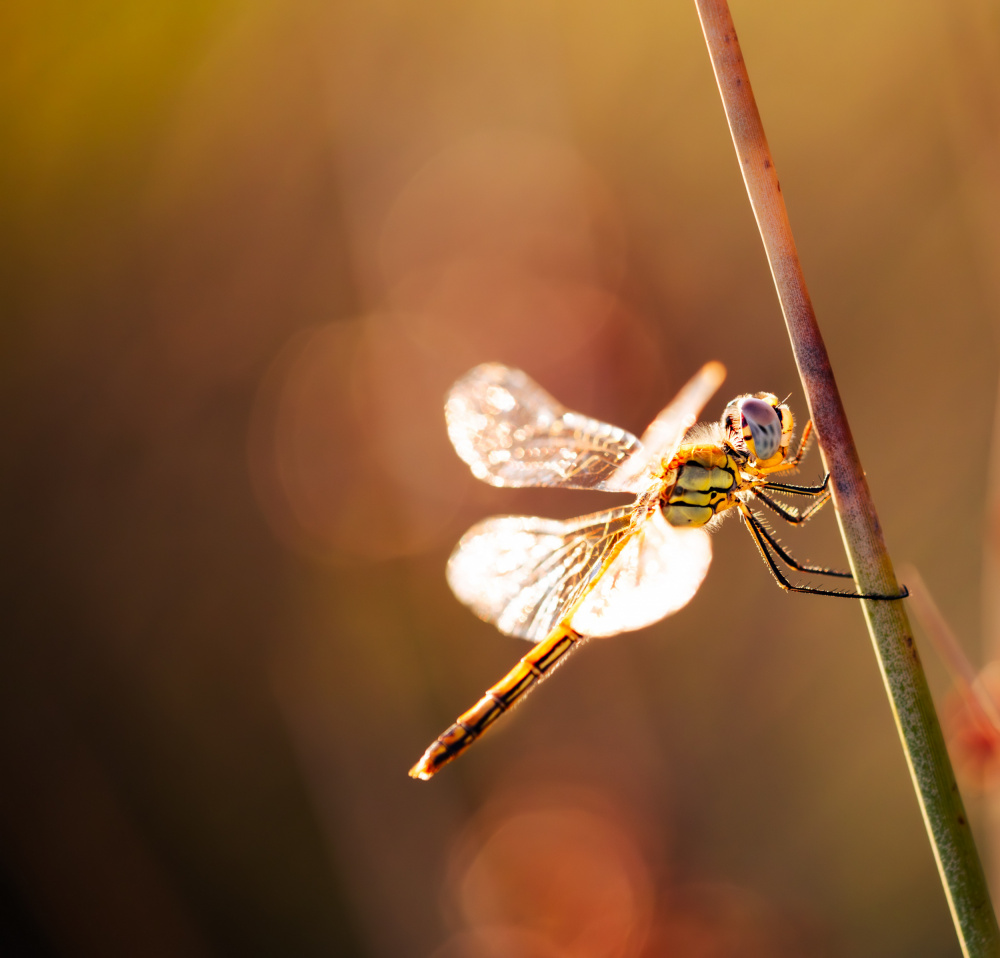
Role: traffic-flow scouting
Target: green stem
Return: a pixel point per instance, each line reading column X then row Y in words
column 919, row 730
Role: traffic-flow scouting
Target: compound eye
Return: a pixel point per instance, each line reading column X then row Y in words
column 765, row 427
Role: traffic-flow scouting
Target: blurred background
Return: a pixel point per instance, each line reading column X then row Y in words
column 246, row 248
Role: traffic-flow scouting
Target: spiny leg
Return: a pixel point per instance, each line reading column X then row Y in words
column 761, row 536
column 799, row 453
column 821, row 490
column 470, row 725
column 788, row 514
column 803, row 444
column 789, row 559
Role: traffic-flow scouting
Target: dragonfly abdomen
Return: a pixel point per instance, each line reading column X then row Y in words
column 706, row 484
column 470, row 725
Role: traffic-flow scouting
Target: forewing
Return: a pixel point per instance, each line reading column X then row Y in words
column 664, row 434
column 511, row 432
column 656, row 573
column 524, row 573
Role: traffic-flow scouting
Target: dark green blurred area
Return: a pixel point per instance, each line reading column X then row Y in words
column 246, row 247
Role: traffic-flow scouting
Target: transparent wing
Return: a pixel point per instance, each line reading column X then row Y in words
column 664, row 434
column 511, row 432
column 657, row 572
column 524, row 573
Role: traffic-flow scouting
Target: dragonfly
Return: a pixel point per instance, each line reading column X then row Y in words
column 558, row 583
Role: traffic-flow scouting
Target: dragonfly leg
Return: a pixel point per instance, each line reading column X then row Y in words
column 792, row 515
column 803, row 446
column 500, row 698
column 821, row 490
column 789, row 559
column 762, row 538
column 793, row 462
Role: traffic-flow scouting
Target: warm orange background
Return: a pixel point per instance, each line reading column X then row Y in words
column 246, row 247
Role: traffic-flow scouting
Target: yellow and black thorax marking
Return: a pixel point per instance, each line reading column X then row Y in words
column 707, row 481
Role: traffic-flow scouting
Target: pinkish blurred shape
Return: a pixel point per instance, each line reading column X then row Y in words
column 973, row 739
column 558, row 871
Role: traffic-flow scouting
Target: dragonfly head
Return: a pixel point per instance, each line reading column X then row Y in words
column 760, row 426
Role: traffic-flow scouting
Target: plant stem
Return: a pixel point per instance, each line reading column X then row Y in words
column 919, row 730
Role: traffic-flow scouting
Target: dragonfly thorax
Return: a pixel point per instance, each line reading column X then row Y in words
column 703, row 482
